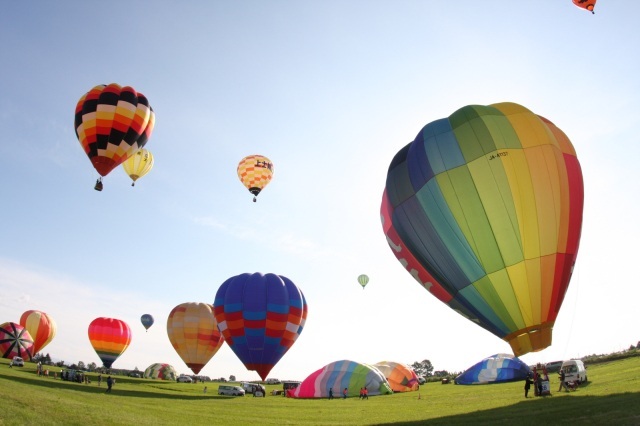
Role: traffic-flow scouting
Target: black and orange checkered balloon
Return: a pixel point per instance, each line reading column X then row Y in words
column 112, row 123
column 255, row 172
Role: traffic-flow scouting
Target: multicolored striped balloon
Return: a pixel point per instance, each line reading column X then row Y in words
column 363, row 280
column 41, row 327
column 161, row 372
column 484, row 209
column 112, row 123
column 109, row 337
column 340, row 375
column 400, row 376
column 260, row 317
column 15, row 340
column 193, row 332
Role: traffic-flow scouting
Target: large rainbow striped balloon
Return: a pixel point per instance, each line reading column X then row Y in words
column 109, row 337
column 484, row 209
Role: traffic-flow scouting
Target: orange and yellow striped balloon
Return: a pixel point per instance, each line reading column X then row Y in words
column 193, row 332
column 41, row 327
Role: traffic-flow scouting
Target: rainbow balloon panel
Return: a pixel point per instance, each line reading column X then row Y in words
column 484, row 209
column 110, row 338
column 260, row 317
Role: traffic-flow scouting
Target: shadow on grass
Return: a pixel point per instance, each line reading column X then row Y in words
column 52, row 383
column 618, row 409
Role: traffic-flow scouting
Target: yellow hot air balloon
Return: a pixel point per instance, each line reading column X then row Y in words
column 255, row 172
column 138, row 164
column 193, row 332
column 41, row 327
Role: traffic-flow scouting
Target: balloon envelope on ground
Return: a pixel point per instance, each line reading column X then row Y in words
column 495, row 369
column 15, row 340
column 109, row 337
column 400, row 376
column 260, row 317
column 161, row 371
column 339, row 375
column 484, row 209
column 41, row 327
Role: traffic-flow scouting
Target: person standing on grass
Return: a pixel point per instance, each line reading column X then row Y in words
column 527, row 385
column 330, row 393
column 99, row 379
column 344, row 393
column 365, row 393
column 563, row 384
column 109, row 384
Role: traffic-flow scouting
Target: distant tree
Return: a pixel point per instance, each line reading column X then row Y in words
column 422, row 368
column 47, row 359
column 92, row 366
column 232, row 378
column 81, row 365
column 441, row 373
column 60, row 364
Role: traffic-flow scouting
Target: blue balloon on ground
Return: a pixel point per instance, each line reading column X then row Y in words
column 497, row 368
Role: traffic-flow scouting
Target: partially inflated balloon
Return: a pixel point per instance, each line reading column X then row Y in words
column 147, row 321
column 484, row 209
column 110, row 338
column 363, row 280
column 15, row 340
column 41, row 327
column 138, row 165
column 193, row 332
column 112, row 123
column 260, row 317
column 255, row 172
column 586, row 4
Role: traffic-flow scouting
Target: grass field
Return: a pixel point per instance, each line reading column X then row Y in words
column 611, row 397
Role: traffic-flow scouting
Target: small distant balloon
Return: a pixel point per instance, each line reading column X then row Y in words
column 586, row 4
column 147, row 321
column 255, row 172
column 138, row 165
column 363, row 280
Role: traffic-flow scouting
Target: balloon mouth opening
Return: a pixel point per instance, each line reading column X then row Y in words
column 530, row 339
column 98, row 186
column 255, row 191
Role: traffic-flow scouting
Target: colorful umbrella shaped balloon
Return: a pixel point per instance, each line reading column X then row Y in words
column 255, row 172
column 484, row 209
column 112, row 123
column 363, row 280
column 138, row 165
column 15, row 340
column 109, row 337
column 193, row 332
column 147, row 321
column 41, row 327
column 260, row 317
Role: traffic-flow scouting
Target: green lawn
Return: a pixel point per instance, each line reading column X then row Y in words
column 612, row 396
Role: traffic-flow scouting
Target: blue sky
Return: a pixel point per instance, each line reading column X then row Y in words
column 329, row 91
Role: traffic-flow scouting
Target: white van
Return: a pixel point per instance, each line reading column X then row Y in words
column 230, row 390
column 574, row 371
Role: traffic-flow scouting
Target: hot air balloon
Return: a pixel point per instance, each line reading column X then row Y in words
column 401, row 377
column 41, row 327
column 110, row 338
column 586, row 4
column 161, row 371
column 339, row 375
column 112, row 123
column 15, row 340
column 484, row 209
column 138, row 165
column 193, row 332
column 147, row 321
column 260, row 317
column 498, row 368
column 255, row 172
column 363, row 280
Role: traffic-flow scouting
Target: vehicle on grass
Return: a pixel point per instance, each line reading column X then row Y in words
column 554, row 366
column 72, row 375
column 230, row 390
column 17, row 362
column 272, row 381
column 184, row 379
column 137, row 374
column 574, row 371
column 254, row 389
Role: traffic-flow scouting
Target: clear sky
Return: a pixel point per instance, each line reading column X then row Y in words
column 329, row 90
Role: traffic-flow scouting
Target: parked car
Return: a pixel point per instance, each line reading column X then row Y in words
column 255, row 389
column 574, row 371
column 137, row 374
column 230, row 390
column 273, row 381
column 554, row 366
column 184, row 379
column 17, row 362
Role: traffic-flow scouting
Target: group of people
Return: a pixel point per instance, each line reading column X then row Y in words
column 538, row 383
column 364, row 393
